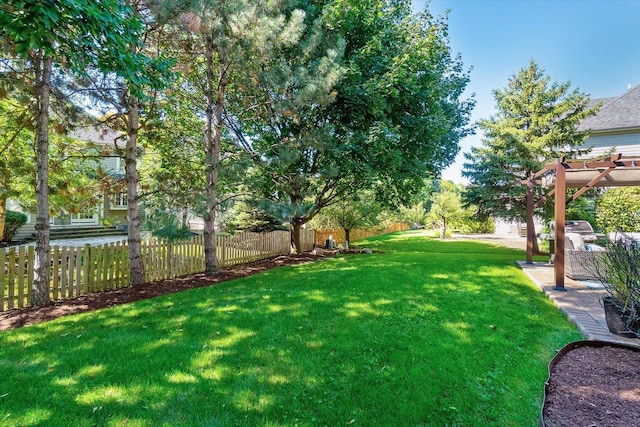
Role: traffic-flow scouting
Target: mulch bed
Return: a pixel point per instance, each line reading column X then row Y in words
column 594, row 387
column 13, row 319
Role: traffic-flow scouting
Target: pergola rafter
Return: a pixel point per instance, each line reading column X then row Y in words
column 612, row 171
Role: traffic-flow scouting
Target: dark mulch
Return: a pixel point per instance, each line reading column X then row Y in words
column 13, row 319
column 594, row 387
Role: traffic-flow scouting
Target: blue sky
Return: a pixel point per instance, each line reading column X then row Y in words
column 595, row 45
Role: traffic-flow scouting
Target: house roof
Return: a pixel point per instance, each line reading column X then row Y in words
column 618, row 113
column 99, row 135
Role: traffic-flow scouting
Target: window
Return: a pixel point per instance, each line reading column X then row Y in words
column 119, row 200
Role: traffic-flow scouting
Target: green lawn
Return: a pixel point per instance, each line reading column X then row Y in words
column 424, row 333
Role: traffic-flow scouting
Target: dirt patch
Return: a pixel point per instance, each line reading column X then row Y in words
column 13, row 319
column 594, row 387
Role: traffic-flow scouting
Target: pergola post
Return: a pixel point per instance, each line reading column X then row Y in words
column 611, row 171
column 530, row 226
column 560, row 214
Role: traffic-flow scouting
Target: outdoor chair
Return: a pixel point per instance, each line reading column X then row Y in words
column 580, row 258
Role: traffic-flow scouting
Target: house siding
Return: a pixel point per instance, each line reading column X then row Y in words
column 111, row 165
column 627, row 144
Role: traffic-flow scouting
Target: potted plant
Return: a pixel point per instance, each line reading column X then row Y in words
column 618, row 269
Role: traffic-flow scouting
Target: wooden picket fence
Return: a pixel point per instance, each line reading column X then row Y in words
column 78, row 271
column 337, row 234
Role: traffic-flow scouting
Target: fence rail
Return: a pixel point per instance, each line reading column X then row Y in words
column 77, row 271
column 337, row 234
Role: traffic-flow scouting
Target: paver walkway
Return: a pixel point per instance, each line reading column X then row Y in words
column 581, row 303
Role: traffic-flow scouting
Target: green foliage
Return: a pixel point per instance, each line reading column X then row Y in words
column 16, row 150
column 439, row 204
column 584, row 207
column 618, row 270
column 536, row 123
column 399, row 110
column 619, row 210
column 413, row 335
column 359, row 210
column 167, row 225
column 371, row 97
column 12, row 222
column 446, row 208
column 108, row 37
column 73, row 181
column 247, row 216
column 414, row 214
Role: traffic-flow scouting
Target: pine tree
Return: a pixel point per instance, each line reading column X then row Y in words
column 536, row 123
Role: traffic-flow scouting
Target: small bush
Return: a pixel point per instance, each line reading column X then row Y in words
column 12, row 222
column 618, row 269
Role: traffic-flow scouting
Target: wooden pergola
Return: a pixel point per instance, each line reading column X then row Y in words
column 613, row 171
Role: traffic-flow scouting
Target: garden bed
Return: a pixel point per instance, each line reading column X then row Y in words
column 593, row 383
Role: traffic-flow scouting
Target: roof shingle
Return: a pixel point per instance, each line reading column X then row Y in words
column 622, row 112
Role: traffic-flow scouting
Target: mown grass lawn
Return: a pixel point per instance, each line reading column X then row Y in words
column 424, row 333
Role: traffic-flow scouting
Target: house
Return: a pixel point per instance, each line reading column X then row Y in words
column 110, row 209
column 616, row 126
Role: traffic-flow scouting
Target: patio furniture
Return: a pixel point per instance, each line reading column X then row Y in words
column 581, row 257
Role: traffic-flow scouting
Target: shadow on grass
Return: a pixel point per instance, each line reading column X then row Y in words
column 427, row 332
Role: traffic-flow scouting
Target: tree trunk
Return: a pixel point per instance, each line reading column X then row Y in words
column 296, row 239
column 212, row 154
column 347, row 238
column 536, row 247
column 3, row 215
column 443, row 229
column 41, row 267
column 136, row 265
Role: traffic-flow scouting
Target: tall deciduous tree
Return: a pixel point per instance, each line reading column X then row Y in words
column 536, row 123
column 382, row 106
column 76, row 35
column 446, row 206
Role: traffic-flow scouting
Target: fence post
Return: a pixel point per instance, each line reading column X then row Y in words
column 3, row 256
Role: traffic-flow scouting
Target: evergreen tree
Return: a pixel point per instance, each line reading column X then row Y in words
column 230, row 40
column 536, row 123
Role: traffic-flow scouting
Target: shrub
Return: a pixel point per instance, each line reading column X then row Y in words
column 619, row 209
column 12, row 222
column 618, row 269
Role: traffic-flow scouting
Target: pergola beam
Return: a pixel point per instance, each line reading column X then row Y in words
column 590, row 184
column 617, row 169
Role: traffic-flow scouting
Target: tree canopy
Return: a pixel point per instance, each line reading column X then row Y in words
column 370, row 98
column 296, row 105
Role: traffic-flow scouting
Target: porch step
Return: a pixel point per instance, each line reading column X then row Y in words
column 86, row 231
